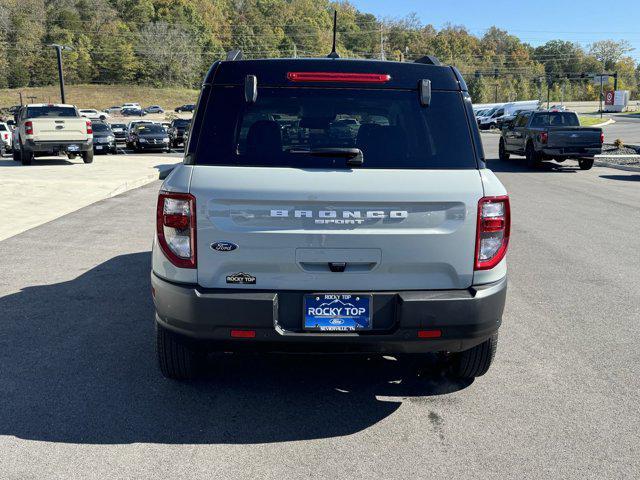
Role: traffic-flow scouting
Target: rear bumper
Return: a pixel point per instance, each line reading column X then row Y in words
column 465, row 318
column 572, row 152
column 58, row 146
column 152, row 146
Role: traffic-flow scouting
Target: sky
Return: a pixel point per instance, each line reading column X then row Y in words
column 582, row 21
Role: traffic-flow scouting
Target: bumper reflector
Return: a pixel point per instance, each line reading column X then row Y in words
column 429, row 333
column 243, row 333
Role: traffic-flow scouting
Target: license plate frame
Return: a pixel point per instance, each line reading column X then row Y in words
column 342, row 312
column 73, row 148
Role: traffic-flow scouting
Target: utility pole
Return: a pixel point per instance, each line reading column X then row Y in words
column 548, row 92
column 601, row 92
column 295, row 51
column 495, row 77
column 540, row 85
column 382, row 56
column 59, row 49
column 21, row 102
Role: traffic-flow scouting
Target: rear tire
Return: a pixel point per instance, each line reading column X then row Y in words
column 533, row 158
column 87, row 157
column 476, row 361
column 175, row 359
column 502, row 152
column 585, row 164
column 16, row 155
column 26, row 156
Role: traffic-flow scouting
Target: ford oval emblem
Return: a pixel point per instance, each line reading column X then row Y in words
column 336, row 321
column 223, row 246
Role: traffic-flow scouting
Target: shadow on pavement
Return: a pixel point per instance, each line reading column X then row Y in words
column 78, row 365
column 628, row 178
column 517, row 165
column 41, row 161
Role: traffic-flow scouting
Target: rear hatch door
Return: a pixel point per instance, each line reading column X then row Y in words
column 394, row 229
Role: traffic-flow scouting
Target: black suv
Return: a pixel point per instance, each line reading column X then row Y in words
column 189, row 107
column 176, row 131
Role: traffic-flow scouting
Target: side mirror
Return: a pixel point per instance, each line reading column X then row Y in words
column 424, row 89
column 250, row 89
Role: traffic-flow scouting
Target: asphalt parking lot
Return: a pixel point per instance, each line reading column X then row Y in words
column 82, row 397
column 57, row 186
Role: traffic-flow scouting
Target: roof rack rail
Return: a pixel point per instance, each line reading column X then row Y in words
column 428, row 60
column 233, row 55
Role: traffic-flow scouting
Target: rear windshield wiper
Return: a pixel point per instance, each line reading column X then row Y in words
column 353, row 155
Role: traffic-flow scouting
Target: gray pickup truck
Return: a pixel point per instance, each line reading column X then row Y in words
column 543, row 135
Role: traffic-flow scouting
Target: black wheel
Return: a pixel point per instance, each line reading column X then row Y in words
column 87, row 157
column 136, row 148
column 533, row 158
column 476, row 361
column 176, row 359
column 16, row 155
column 585, row 163
column 502, row 152
column 26, row 156
column 103, row 118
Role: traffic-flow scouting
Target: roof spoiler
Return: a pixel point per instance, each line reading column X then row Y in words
column 428, row 60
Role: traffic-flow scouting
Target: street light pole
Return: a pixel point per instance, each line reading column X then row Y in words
column 59, row 49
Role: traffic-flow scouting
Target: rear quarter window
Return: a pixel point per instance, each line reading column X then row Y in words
column 285, row 125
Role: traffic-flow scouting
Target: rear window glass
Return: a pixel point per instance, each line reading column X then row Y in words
column 288, row 126
column 35, row 112
column 181, row 123
column 100, row 127
column 150, row 128
column 3, row 128
column 555, row 119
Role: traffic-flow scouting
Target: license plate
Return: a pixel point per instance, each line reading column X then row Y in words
column 98, row 147
column 337, row 312
column 73, row 148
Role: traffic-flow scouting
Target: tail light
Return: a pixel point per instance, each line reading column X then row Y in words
column 89, row 127
column 338, row 77
column 176, row 228
column 28, row 127
column 6, row 136
column 492, row 231
column 544, row 136
column 601, row 137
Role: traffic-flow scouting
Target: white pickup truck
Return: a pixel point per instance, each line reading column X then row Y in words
column 51, row 130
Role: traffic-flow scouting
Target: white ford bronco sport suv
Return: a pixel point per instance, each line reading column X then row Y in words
column 331, row 205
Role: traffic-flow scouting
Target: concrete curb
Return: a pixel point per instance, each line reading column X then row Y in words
column 626, row 168
column 608, row 122
column 139, row 182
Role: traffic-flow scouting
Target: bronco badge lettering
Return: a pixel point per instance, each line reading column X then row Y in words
column 350, row 217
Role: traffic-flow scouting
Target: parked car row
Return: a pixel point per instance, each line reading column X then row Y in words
column 78, row 132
